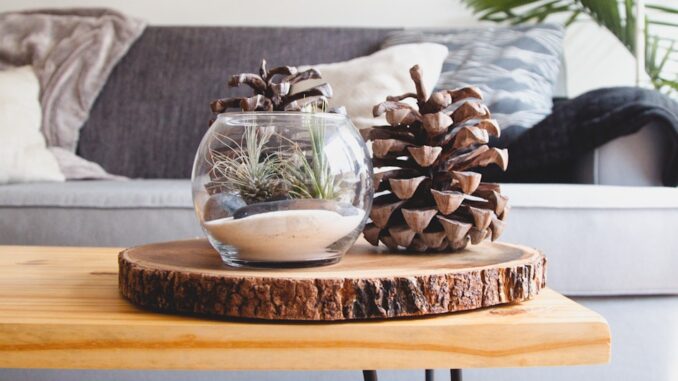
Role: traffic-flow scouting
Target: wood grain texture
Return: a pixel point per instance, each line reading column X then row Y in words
column 189, row 277
column 60, row 308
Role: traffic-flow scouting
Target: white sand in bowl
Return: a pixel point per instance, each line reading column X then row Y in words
column 288, row 235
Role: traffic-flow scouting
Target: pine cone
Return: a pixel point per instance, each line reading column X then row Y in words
column 272, row 91
column 434, row 201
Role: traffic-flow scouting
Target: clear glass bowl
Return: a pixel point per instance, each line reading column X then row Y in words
column 282, row 189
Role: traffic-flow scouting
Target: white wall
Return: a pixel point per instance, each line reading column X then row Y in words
column 371, row 13
column 594, row 57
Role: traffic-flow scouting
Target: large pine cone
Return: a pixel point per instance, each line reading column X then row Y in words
column 432, row 200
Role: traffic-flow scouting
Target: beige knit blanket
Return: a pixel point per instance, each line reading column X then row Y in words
column 72, row 51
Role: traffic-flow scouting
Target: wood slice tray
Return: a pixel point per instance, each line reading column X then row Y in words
column 369, row 283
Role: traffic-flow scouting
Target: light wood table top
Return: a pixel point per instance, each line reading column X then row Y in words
column 60, row 308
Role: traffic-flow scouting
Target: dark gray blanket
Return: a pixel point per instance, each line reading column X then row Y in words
column 547, row 152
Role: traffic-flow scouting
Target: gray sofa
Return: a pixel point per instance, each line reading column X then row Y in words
column 613, row 248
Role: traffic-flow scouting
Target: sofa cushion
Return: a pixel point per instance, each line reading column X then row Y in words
column 97, row 213
column 611, row 164
column 172, row 194
column 599, row 240
column 154, row 109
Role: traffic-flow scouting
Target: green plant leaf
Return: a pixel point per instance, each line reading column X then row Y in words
column 666, row 57
column 606, row 13
column 662, row 8
column 488, row 9
column 664, row 23
column 540, row 13
column 630, row 26
column 651, row 48
column 573, row 17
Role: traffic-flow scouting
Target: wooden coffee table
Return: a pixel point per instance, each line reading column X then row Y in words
column 60, row 308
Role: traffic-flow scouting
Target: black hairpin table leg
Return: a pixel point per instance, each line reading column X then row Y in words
column 455, row 375
column 430, row 376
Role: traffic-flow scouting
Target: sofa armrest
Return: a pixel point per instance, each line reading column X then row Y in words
column 634, row 160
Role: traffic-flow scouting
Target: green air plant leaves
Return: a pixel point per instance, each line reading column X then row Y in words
column 313, row 178
column 618, row 16
column 249, row 167
column 259, row 173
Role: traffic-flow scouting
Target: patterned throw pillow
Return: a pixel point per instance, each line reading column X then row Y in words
column 515, row 67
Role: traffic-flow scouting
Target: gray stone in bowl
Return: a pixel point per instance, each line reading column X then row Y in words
column 222, row 205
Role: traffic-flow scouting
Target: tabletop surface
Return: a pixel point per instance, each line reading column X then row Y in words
column 60, row 308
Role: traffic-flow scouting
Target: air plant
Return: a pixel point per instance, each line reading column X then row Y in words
column 266, row 165
column 251, row 168
column 312, row 178
column 259, row 172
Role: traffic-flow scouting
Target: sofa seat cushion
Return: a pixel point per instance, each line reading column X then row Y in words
column 599, row 240
column 97, row 213
column 100, row 194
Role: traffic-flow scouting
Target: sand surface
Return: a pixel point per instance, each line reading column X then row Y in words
column 289, row 235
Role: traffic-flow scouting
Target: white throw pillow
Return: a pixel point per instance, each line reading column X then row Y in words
column 363, row 82
column 23, row 154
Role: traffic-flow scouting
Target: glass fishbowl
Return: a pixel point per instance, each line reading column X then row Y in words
column 282, row 189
